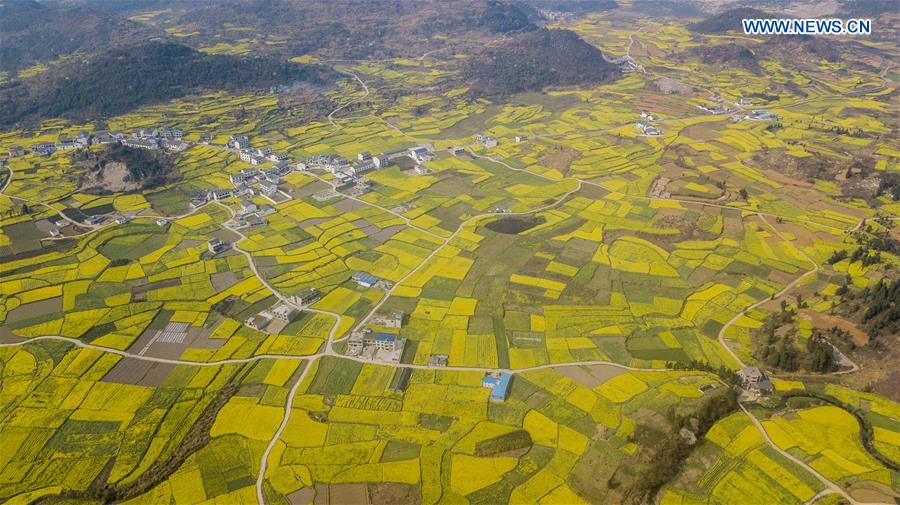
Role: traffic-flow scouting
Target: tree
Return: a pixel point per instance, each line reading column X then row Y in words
column 743, row 193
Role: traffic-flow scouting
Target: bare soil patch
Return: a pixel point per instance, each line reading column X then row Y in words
column 112, row 177
column 391, row 493
column 348, row 494
column 35, row 309
column 138, row 372
column 302, row 496
column 560, row 159
column 860, row 338
column 591, row 375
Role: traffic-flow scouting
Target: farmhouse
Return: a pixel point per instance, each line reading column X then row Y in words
column 250, row 221
column 385, row 341
column 420, row 154
column 142, row 143
column 216, row 246
column 104, row 138
column 244, row 176
column 485, row 140
column 305, row 297
column 65, row 142
column 219, row 194
column 498, row 383
column 356, row 342
column 257, row 322
column 648, row 129
column 247, row 207
column 384, row 347
column 336, row 165
column 362, row 168
column 283, row 313
column 43, row 149
column 754, row 379
column 145, row 133
column 268, row 188
column 239, row 142
column 171, row 133
column 761, row 115
column 175, row 145
column 381, row 161
column 342, row 179
column 318, row 161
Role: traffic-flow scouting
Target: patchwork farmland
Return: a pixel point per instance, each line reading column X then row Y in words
column 616, row 293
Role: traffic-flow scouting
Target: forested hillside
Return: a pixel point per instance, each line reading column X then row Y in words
column 535, row 60
column 107, row 85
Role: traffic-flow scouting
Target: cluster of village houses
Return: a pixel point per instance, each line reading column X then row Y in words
column 646, row 125
column 169, row 139
column 738, row 115
column 274, row 319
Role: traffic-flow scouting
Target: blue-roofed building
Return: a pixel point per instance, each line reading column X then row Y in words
column 420, row 154
column 365, row 279
column 385, row 341
column 498, row 383
column 762, row 115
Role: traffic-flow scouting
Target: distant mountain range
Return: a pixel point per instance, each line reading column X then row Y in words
column 105, row 64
